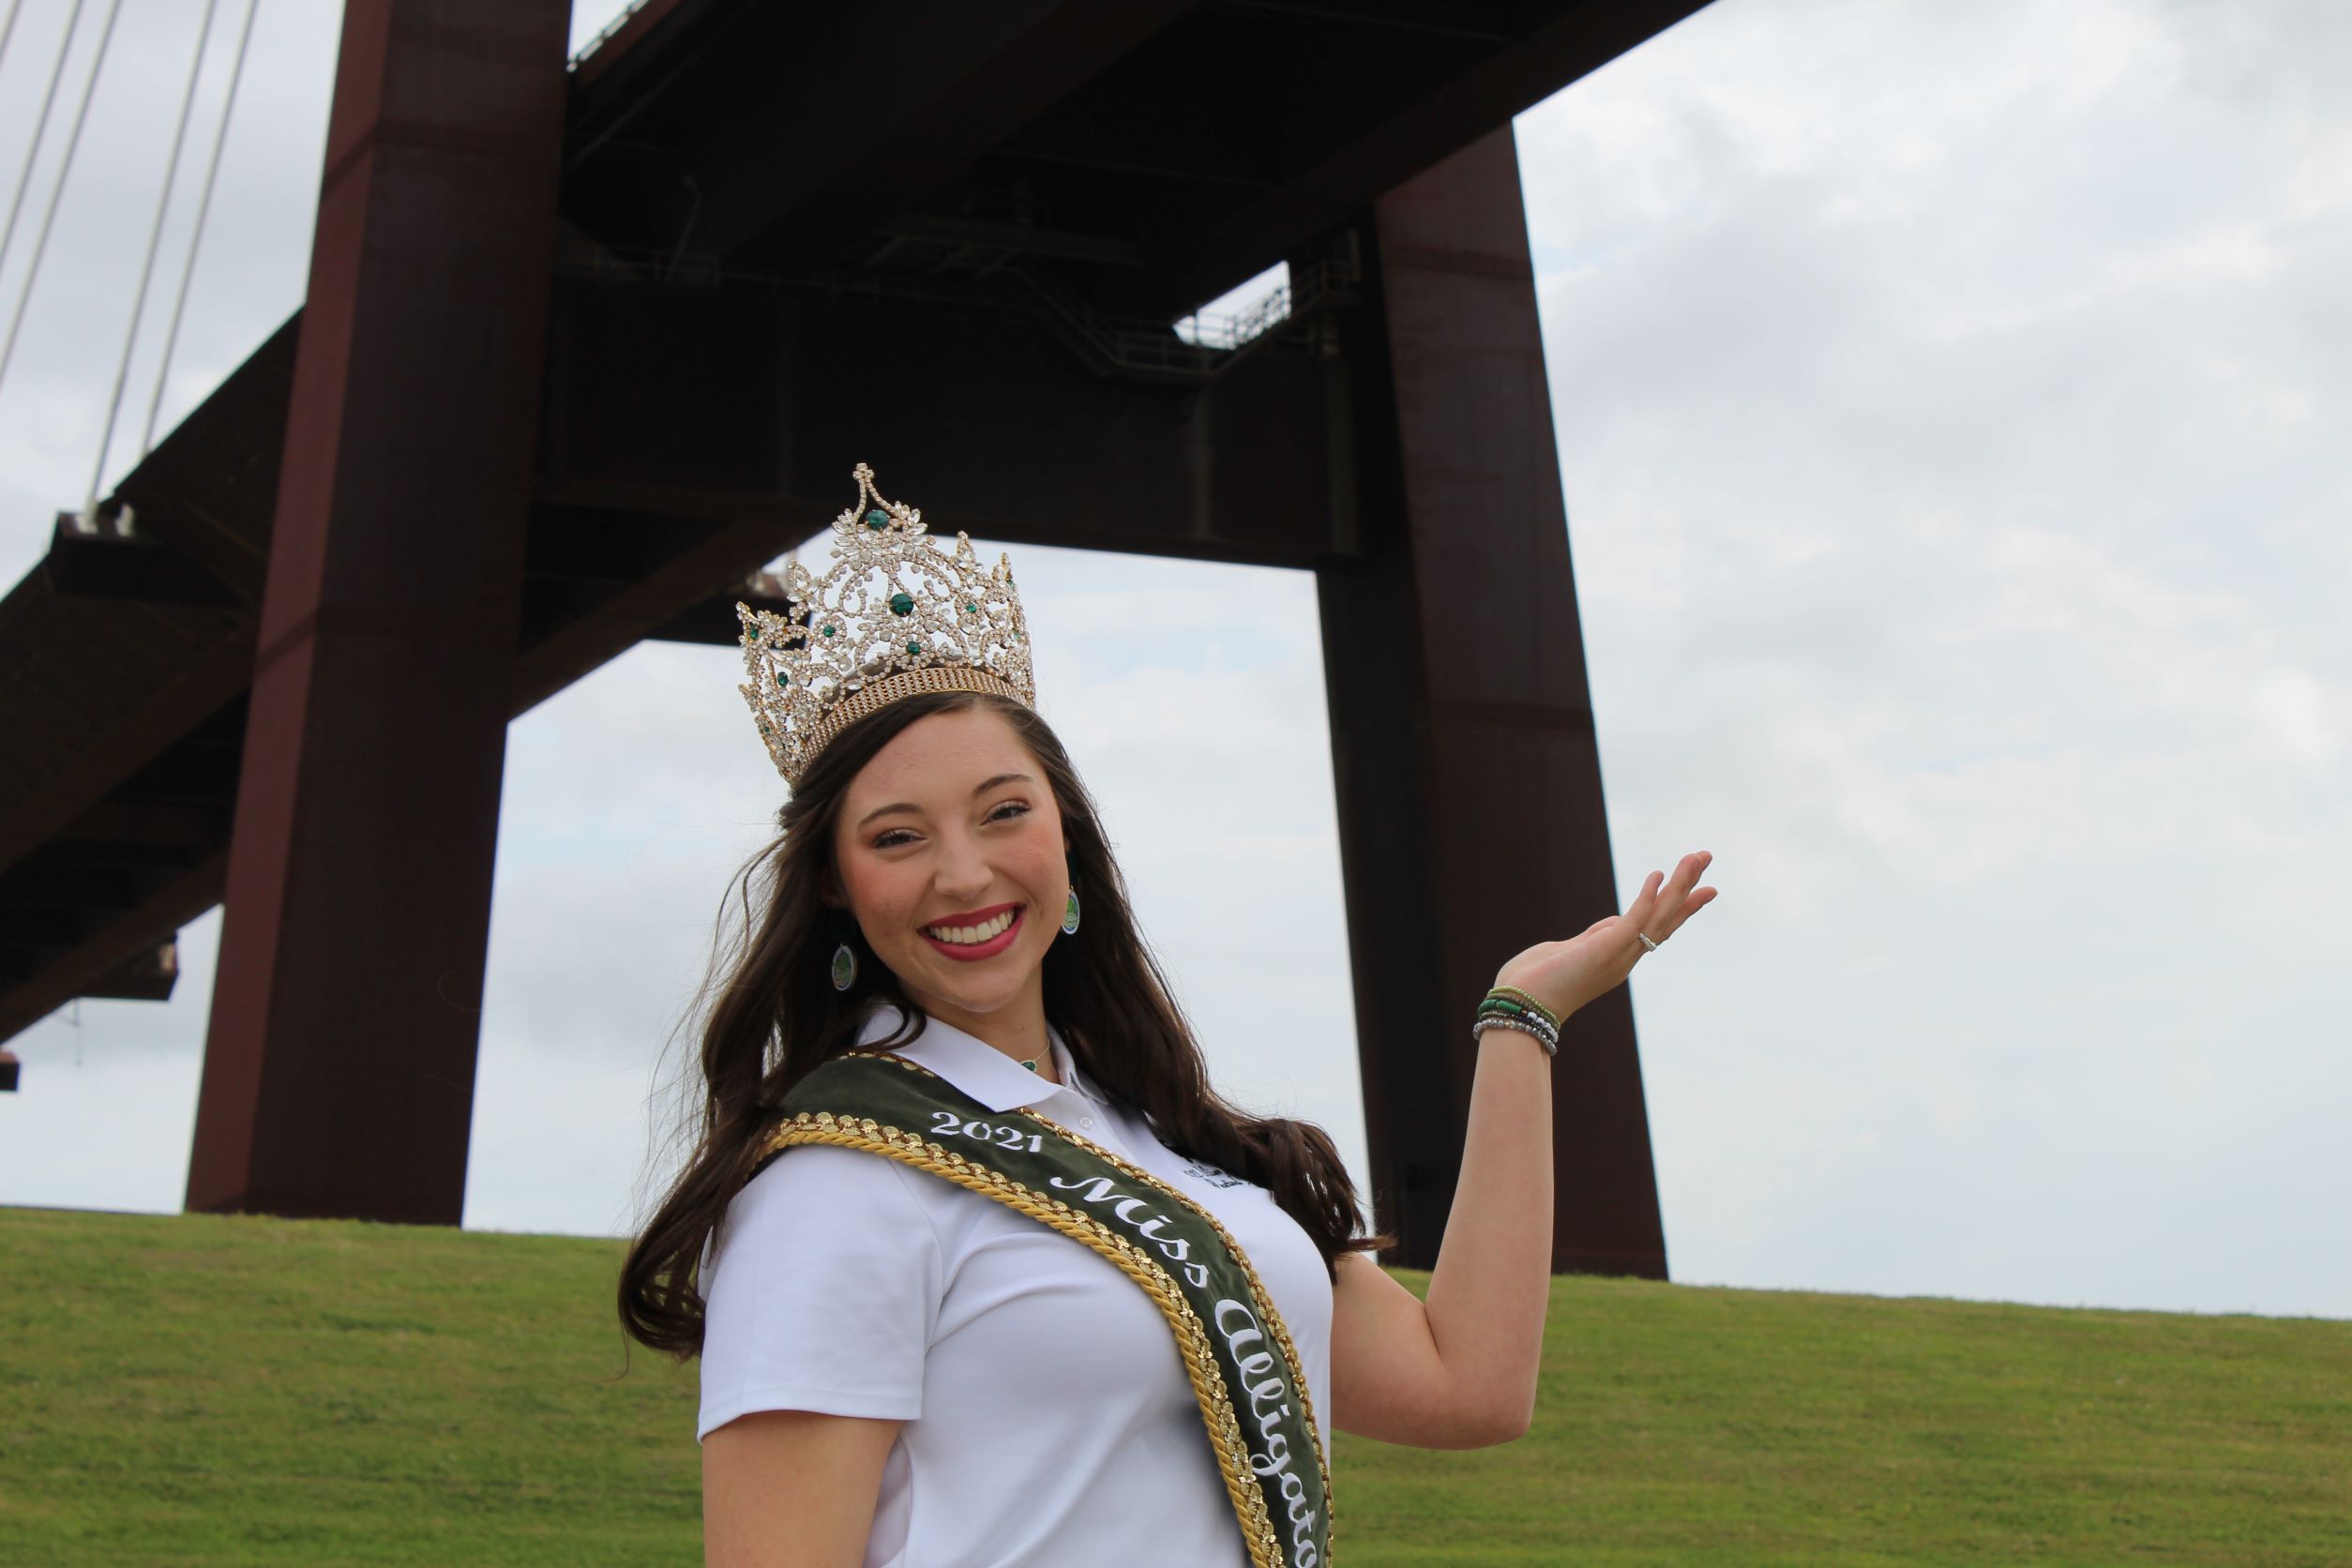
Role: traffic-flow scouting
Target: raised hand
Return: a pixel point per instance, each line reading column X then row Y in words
column 1566, row 975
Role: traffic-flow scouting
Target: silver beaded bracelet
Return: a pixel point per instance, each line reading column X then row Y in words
column 1545, row 1034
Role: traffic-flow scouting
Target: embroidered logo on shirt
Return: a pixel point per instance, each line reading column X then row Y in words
column 1212, row 1175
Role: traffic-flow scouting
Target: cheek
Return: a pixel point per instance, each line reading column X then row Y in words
column 879, row 898
column 1040, row 864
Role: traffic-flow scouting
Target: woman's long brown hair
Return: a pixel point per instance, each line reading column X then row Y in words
column 770, row 1014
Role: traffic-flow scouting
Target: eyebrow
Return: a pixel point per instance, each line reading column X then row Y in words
column 980, row 789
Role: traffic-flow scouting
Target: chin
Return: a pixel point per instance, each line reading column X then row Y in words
column 977, row 1006
column 1006, row 983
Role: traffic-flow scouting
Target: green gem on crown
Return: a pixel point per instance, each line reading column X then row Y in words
column 970, row 609
column 828, row 631
column 902, row 604
column 782, row 679
column 914, row 647
column 878, row 519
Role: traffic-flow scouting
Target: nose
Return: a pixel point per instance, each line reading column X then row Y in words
column 963, row 871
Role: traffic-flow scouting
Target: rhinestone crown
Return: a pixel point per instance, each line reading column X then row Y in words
column 894, row 615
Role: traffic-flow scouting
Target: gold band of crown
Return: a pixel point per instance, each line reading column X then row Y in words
column 935, row 622
column 904, row 683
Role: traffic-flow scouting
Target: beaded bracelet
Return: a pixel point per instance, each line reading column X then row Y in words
column 1524, row 1025
column 1509, row 1013
column 1505, row 1007
column 1512, row 992
column 1509, row 1007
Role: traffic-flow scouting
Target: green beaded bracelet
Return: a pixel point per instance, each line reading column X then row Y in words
column 1505, row 997
column 1525, row 1025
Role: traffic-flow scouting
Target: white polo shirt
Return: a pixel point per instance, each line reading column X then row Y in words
column 1049, row 1419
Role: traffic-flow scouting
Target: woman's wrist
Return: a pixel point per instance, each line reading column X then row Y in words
column 1484, row 1027
column 1508, row 1007
column 1551, row 1002
column 1515, row 1000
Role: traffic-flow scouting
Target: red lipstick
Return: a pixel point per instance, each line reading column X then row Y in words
column 972, row 952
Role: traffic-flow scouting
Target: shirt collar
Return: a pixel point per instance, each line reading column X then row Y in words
column 975, row 1066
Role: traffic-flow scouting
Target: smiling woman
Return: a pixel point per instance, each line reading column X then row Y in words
column 926, row 837
column 1028, row 1289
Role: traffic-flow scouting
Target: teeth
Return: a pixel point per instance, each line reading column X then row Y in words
column 981, row 932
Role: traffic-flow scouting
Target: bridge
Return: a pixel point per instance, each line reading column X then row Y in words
column 588, row 343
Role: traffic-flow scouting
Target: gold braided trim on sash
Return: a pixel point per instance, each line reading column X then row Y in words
column 1192, row 1336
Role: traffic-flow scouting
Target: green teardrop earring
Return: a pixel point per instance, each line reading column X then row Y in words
column 844, row 966
column 1070, row 910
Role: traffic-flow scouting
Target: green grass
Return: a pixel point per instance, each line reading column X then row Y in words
column 209, row 1389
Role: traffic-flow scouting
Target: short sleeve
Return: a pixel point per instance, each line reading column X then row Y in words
column 823, row 1292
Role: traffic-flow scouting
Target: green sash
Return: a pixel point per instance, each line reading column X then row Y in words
column 1244, row 1370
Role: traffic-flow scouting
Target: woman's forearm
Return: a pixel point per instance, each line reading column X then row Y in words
column 1493, row 1280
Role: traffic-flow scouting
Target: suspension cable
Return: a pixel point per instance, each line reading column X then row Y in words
column 41, row 128
column 147, row 270
column 204, row 206
column 40, row 243
column 8, row 29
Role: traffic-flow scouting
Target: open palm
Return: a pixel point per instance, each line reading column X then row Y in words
column 1566, row 975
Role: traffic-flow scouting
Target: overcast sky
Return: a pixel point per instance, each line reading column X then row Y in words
column 1952, row 412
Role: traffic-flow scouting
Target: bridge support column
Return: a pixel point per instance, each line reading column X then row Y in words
column 338, row 1067
column 1467, row 779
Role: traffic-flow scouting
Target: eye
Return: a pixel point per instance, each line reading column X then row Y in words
column 1003, row 812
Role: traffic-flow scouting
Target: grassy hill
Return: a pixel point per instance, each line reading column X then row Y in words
column 207, row 1389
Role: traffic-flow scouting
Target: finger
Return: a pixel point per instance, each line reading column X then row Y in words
column 1651, row 907
column 1698, row 899
column 1657, row 898
column 1673, row 894
column 1646, row 902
